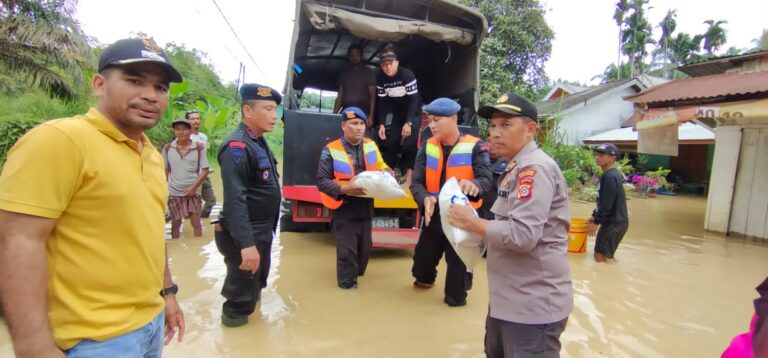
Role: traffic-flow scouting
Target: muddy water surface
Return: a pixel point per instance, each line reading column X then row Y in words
column 675, row 291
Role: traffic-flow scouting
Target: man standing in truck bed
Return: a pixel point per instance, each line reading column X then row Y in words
column 357, row 85
column 397, row 119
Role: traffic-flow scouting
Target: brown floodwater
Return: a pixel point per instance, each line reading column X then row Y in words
column 674, row 291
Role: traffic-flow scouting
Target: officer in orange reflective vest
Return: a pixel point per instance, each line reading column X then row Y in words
column 340, row 161
column 447, row 154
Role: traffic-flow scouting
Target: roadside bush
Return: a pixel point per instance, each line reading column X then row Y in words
column 11, row 131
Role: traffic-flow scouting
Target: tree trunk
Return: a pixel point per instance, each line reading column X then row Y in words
column 618, row 63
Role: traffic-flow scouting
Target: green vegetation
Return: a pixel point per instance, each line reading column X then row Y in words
column 42, row 45
column 12, row 130
column 311, row 100
column 575, row 161
column 671, row 49
column 46, row 64
column 518, row 45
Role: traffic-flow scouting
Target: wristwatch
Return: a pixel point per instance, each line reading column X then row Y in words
column 170, row 290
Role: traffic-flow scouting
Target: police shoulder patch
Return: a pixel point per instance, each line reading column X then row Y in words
column 236, row 144
column 237, row 150
column 526, row 173
column 525, row 180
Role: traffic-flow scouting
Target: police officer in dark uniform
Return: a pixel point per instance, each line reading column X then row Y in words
column 447, row 154
column 251, row 204
column 498, row 167
column 340, row 161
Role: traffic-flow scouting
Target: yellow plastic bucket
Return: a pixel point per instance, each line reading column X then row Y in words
column 577, row 237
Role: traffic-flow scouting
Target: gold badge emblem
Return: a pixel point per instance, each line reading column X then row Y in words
column 264, row 92
column 351, row 115
column 502, row 99
column 151, row 45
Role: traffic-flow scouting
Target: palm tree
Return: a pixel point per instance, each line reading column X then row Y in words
column 715, row 36
column 618, row 15
column 668, row 26
column 41, row 43
column 612, row 73
column 636, row 36
column 683, row 49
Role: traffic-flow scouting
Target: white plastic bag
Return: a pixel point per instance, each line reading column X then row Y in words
column 379, row 185
column 468, row 246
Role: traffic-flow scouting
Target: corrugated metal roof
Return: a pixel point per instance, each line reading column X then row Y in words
column 687, row 132
column 562, row 103
column 727, row 84
column 720, row 64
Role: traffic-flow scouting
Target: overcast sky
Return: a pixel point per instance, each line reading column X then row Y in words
column 586, row 36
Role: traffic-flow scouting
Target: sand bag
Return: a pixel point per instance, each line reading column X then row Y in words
column 468, row 246
column 379, row 185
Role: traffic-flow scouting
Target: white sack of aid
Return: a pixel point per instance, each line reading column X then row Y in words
column 379, row 185
column 468, row 246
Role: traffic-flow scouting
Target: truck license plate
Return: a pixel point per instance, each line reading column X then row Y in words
column 386, row 222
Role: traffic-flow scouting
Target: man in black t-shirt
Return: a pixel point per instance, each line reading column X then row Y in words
column 398, row 118
column 611, row 213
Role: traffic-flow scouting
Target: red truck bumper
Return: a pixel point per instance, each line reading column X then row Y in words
column 308, row 208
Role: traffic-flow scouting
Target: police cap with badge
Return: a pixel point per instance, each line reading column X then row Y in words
column 352, row 113
column 511, row 103
column 255, row 91
column 128, row 51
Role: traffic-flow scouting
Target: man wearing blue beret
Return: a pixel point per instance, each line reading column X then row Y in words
column 447, row 154
column 252, row 197
column 340, row 161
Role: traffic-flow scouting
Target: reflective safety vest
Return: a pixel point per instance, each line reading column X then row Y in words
column 459, row 164
column 344, row 171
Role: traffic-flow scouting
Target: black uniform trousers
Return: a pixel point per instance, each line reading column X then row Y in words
column 429, row 249
column 353, row 247
column 242, row 289
column 390, row 154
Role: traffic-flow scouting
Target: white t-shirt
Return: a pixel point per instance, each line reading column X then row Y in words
column 200, row 137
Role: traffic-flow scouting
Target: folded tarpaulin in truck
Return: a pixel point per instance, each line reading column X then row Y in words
column 324, row 17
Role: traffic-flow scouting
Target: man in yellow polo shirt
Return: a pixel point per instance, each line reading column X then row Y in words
column 83, row 271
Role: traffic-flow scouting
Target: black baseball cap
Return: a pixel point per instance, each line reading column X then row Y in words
column 388, row 54
column 511, row 103
column 607, row 148
column 128, row 51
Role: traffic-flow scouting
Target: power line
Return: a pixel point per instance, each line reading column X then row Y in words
column 240, row 41
column 203, row 19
